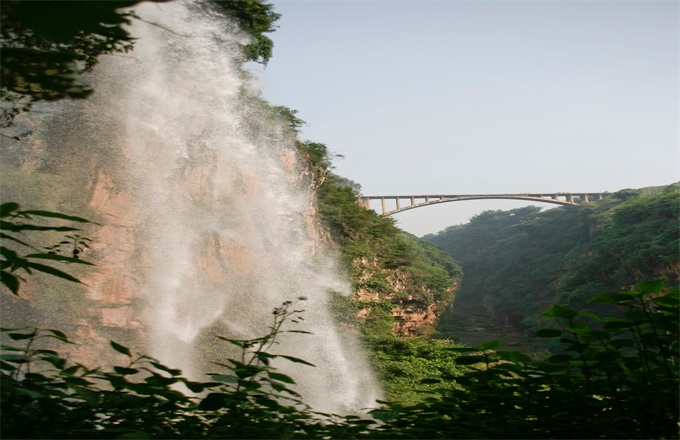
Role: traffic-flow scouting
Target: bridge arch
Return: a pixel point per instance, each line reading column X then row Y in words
column 407, row 202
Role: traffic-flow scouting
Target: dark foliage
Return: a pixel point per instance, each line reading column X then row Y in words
column 47, row 45
column 13, row 259
column 614, row 378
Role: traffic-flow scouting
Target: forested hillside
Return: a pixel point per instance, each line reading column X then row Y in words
column 517, row 263
column 401, row 284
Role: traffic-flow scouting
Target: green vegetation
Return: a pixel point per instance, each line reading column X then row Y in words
column 634, row 238
column 44, row 396
column 615, row 377
column 12, row 233
column 410, row 368
column 388, row 268
column 255, row 17
column 47, row 45
column 518, row 262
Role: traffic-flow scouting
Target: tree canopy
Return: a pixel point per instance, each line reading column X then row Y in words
column 47, row 45
column 518, row 262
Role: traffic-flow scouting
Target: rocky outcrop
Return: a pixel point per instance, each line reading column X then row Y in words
column 414, row 309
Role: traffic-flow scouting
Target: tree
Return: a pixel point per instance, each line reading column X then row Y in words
column 47, row 45
column 256, row 18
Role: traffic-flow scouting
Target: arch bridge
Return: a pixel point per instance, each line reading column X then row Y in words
column 393, row 204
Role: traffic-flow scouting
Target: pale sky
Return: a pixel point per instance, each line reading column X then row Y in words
column 435, row 97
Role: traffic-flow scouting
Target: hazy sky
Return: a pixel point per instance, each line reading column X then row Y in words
column 483, row 97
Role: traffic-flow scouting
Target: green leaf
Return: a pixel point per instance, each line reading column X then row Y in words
column 515, row 356
column 125, row 371
column 559, row 311
column 651, row 286
column 73, row 370
column 225, row 378
column 7, row 209
column 548, row 333
column 281, row 377
column 489, row 345
column 120, row 348
column 461, row 349
column 469, row 360
column 54, row 272
column 172, row 371
column 214, row 401
column 7, row 367
column 613, row 298
column 384, row 416
column 667, row 300
column 11, row 255
column 16, row 358
column 236, row 342
column 15, row 227
column 90, row 396
column 160, row 381
column 636, row 315
column 618, row 324
column 10, row 281
column 592, row 316
column 59, row 335
column 560, row 358
column 294, row 359
column 56, row 215
column 198, row 387
column 20, row 336
column 31, row 393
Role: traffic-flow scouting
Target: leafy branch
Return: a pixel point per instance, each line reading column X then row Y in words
column 253, row 371
column 15, row 224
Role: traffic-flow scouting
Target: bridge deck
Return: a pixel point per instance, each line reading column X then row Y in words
column 397, row 203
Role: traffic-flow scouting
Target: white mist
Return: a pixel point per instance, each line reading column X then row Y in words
column 223, row 231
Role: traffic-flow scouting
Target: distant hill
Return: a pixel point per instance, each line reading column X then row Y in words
column 517, row 263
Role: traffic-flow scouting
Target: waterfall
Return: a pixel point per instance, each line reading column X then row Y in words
column 206, row 221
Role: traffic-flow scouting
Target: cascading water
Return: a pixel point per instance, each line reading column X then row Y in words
column 206, row 219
